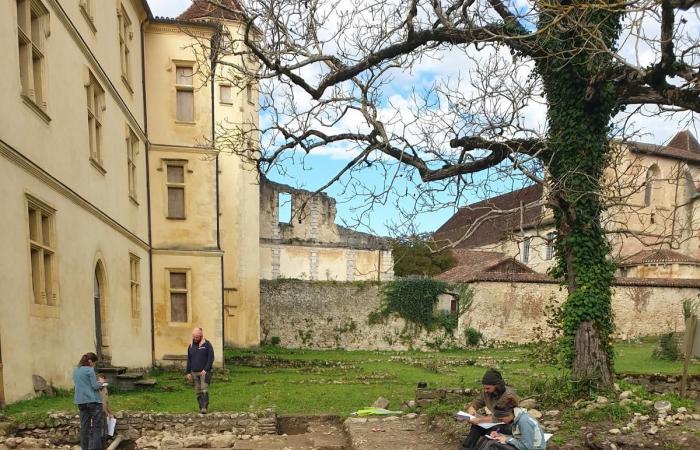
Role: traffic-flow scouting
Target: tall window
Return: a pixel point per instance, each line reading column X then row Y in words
column 132, row 149
column 95, row 107
column 125, row 34
column 549, row 252
column 652, row 175
column 284, row 207
column 249, row 93
column 185, row 93
column 31, row 30
column 526, row 250
column 175, row 184
column 135, row 282
column 179, row 292
column 225, row 94
column 42, row 252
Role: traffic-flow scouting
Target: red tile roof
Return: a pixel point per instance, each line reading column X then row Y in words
column 682, row 146
column 490, row 226
column 656, row 257
column 210, row 9
column 472, row 264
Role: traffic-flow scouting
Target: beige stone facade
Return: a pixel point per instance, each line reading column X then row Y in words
column 307, row 244
column 122, row 228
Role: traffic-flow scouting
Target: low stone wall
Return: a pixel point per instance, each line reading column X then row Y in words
column 150, row 430
column 664, row 384
column 334, row 314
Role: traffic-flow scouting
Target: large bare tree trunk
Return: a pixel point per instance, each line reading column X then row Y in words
column 591, row 361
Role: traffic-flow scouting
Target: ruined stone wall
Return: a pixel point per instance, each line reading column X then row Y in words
column 328, row 314
column 216, row 430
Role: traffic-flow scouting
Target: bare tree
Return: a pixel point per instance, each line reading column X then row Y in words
column 327, row 71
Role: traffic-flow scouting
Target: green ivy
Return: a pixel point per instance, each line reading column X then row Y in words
column 414, row 300
column 581, row 106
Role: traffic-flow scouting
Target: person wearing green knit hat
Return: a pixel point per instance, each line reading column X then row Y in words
column 493, row 388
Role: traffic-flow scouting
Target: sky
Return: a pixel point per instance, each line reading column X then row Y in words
column 382, row 220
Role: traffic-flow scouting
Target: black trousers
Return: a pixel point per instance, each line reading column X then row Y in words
column 471, row 442
column 91, row 423
column 491, row 444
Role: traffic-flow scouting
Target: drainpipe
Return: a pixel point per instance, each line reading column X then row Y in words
column 147, row 145
column 214, row 54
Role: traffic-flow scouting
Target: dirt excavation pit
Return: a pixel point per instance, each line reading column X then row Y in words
column 301, row 433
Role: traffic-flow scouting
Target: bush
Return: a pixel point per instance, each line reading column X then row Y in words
column 473, row 336
column 667, row 348
column 414, row 300
column 275, row 341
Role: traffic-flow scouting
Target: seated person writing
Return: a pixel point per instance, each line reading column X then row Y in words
column 494, row 388
column 526, row 432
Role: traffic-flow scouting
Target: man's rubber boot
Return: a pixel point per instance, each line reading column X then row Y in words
column 205, row 403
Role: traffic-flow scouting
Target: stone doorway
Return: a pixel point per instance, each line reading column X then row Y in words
column 100, row 304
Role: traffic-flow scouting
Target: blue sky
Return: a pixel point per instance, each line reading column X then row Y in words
column 318, row 168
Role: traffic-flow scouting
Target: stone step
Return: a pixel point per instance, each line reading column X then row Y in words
column 130, row 376
column 147, row 382
column 111, row 370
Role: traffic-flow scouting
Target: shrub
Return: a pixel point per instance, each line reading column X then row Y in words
column 473, row 336
column 413, row 299
column 667, row 348
column 690, row 308
column 275, row 341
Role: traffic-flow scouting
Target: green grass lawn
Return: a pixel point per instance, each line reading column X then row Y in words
column 337, row 381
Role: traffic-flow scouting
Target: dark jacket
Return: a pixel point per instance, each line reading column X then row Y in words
column 200, row 357
column 490, row 400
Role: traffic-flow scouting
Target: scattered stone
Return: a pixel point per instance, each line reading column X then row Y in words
column 194, row 442
column 356, row 420
column 411, row 416
column 682, row 409
column 616, row 387
column 381, row 402
column 625, row 394
column 652, row 430
column 535, row 413
column 614, row 431
column 528, row 403
column 552, row 413
column 222, row 441
column 626, row 401
column 601, row 399
column 662, row 406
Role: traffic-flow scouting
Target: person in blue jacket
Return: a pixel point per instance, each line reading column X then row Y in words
column 527, row 434
column 87, row 397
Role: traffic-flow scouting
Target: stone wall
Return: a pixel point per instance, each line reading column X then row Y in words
column 64, row 428
column 333, row 314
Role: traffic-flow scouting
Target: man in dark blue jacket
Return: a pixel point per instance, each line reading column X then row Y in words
column 200, row 358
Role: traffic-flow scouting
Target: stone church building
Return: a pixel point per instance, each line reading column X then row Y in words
column 652, row 221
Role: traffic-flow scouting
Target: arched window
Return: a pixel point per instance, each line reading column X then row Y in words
column 652, row 176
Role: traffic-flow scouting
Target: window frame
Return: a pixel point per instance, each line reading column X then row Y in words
column 135, row 285
column 184, row 88
column 87, row 9
column 187, row 291
column 132, row 151
column 32, row 19
column 175, row 185
column 549, row 249
column 526, row 250
column 43, row 299
column 96, row 106
column 228, row 102
column 125, row 35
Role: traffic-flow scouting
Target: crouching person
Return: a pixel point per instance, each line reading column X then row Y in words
column 526, row 432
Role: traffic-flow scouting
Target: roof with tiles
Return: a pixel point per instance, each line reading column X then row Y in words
column 660, row 256
column 683, row 146
column 213, row 9
column 472, row 264
column 491, row 230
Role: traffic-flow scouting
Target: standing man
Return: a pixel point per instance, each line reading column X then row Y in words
column 200, row 358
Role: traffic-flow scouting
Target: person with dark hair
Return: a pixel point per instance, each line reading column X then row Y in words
column 87, row 397
column 526, row 432
column 200, row 359
column 493, row 388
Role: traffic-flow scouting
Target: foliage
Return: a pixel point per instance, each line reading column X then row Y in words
column 473, row 336
column 416, row 256
column 559, row 389
column 275, row 341
column 690, row 308
column 668, row 348
column 547, row 342
column 414, row 300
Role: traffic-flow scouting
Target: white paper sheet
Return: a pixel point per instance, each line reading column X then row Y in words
column 461, row 415
column 111, row 425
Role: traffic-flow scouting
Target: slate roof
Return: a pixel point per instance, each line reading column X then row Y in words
column 472, row 264
column 493, row 229
column 204, row 9
column 659, row 256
